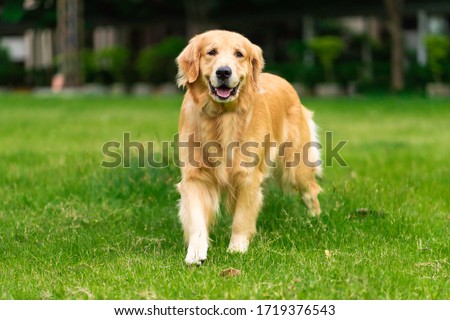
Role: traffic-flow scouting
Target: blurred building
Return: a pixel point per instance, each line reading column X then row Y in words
column 31, row 39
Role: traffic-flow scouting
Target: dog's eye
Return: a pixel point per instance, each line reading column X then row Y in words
column 212, row 52
column 239, row 54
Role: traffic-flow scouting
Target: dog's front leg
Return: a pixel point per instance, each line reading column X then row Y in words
column 249, row 200
column 198, row 204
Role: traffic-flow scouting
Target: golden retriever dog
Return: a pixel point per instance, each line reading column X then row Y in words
column 236, row 126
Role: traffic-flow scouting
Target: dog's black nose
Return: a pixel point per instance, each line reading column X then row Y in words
column 223, row 73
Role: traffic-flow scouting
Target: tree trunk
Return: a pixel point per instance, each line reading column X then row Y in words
column 395, row 13
column 70, row 40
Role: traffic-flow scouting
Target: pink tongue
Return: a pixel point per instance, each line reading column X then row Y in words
column 223, row 92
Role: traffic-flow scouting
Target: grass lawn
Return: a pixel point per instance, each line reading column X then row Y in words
column 70, row 229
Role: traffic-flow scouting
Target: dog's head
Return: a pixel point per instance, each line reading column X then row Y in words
column 222, row 61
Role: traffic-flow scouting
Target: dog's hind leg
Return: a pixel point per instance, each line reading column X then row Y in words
column 301, row 163
column 198, row 204
column 310, row 190
column 300, row 169
column 303, row 180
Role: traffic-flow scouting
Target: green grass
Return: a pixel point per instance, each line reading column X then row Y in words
column 70, row 229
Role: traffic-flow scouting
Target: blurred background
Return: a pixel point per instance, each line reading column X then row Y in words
column 323, row 47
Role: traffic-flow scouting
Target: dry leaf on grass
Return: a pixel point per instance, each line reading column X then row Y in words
column 147, row 295
column 230, row 272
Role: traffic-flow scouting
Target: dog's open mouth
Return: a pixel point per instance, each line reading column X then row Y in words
column 223, row 91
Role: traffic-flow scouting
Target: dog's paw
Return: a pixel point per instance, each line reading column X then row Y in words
column 238, row 244
column 312, row 204
column 194, row 260
column 197, row 249
column 314, row 212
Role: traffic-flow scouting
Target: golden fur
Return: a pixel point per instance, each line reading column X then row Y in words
column 263, row 104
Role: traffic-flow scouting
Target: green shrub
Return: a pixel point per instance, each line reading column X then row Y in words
column 5, row 65
column 111, row 62
column 417, row 76
column 290, row 71
column 295, row 50
column 156, row 64
column 381, row 77
column 11, row 74
column 327, row 49
column 297, row 72
column 446, row 73
column 88, row 65
column 41, row 77
column 348, row 71
column 437, row 49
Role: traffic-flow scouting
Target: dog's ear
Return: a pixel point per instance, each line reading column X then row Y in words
column 257, row 62
column 189, row 63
